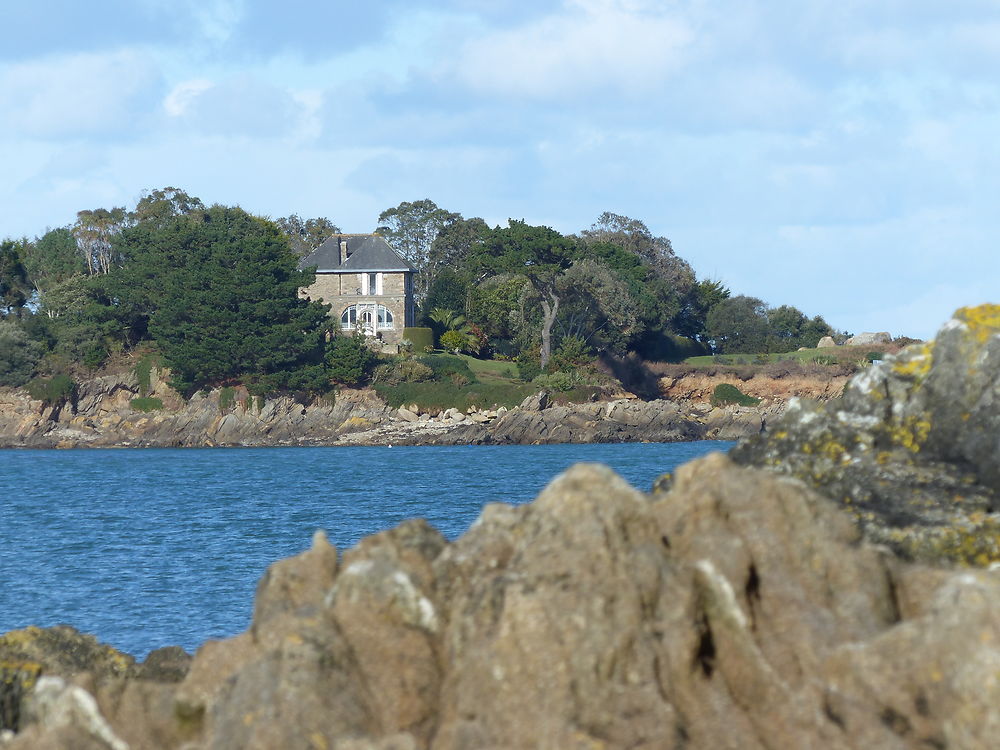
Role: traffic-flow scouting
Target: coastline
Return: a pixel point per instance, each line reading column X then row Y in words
column 103, row 416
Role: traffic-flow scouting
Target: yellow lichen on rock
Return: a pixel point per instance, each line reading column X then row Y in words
column 917, row 362
column 911, row 433
column 983, row 321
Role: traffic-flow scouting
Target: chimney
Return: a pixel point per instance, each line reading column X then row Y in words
column 344, row 252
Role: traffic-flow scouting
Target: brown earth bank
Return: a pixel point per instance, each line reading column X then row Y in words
column 103, row 415
column 735, row 606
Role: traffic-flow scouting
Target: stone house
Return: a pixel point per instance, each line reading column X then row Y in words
column 369, row 285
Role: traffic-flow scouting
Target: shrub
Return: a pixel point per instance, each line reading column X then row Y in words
column 349, row 360
column 403, row 371
column 557, row 381
column 144, row 369
column 725, row 393
column 420, row 338
column 52, row 391
column 873, row 356
column 446, row 365
column 146, row 404
column 227, row 397
column 454, row 341
column 572, row 351
column 528, row 367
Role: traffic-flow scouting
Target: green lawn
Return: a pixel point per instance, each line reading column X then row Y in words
column 828, row 356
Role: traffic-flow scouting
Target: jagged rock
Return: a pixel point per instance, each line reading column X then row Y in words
column 737, row 610
column 536, row 402
column 62, row 650
column 407, row 415
column 910, row 449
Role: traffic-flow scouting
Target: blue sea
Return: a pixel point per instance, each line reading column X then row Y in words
column 157, row 547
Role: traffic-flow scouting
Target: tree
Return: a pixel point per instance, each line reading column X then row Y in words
column 540, row 254
column 95, row 232
column 453, row 244
column 52, row 259
column 18, row 354
column 598, row 308
column 220, row 292
column 448, row 290
column 306, row 236
column 634, row 236
column 739, row 325
column 159, row 206
column 411, row 229
column 14, row 286
column 790, row 329
column 702, row 297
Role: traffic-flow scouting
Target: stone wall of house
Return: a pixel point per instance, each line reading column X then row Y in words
column 341, row 290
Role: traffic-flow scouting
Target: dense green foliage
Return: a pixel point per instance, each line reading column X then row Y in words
column 349, row 359
column 146, row 404
column 420, row 339
column 18, row 354
column 52, row 391
column 726, row 393
column 218, row 291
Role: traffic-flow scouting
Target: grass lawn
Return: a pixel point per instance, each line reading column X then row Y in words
column 828, row 356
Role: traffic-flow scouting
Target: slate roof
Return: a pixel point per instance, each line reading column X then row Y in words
column 367, row 252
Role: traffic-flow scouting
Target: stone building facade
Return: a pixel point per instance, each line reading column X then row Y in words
column 369, row 285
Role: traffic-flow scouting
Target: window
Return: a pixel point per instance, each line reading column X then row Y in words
column 372, row 284
column 369, row 317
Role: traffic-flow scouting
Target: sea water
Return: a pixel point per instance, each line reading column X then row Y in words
column 155, row 547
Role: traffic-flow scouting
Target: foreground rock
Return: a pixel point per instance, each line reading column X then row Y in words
column 737, row 609
column 911, row 449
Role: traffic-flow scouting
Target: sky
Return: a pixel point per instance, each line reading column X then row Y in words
column 837, row 155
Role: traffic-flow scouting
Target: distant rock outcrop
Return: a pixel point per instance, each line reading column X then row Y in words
column 869, row 339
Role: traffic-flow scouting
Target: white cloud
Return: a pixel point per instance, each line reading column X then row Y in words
column 589, row 45
column 238, row 106
column 78, row 95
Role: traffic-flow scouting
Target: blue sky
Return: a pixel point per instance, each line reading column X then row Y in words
column 837, row 155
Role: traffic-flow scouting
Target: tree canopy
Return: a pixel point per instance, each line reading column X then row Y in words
column 220, row 293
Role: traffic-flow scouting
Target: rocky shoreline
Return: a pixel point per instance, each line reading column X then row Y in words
column 103, row 416
column 774, row 601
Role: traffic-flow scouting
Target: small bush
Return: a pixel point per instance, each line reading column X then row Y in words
column 874, row 356
column 557, row 381
column 528, row 367
column 454, row 341
column 227, row 397
column 146, row 404
column 402, row 371
column 52, row 391
column 726, row 393
column 144, row 369
column 446, row 365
